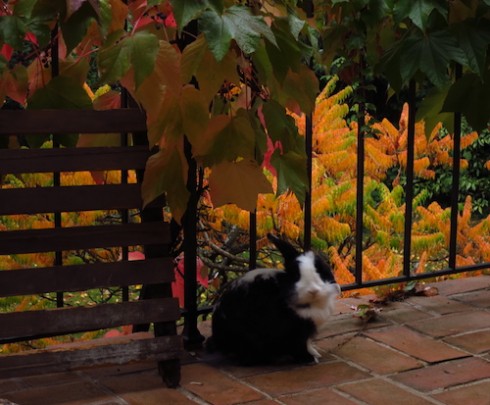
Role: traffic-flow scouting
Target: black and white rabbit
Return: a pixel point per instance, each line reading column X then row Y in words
column 272, row 314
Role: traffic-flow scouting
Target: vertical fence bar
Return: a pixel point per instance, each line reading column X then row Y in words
column 252, row 261
column 55, row 70
column 309, row 169
column 310, row 13
column 124, row 180
column 360, row 192
column 453, row 233
column 191, row 335
column 409, row 193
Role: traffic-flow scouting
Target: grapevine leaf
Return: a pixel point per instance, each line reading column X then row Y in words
column 434, row 51
column 114, row 59
column 211, row 74
column 301, row 90
column 72, row 6
column 186, row 11
column 192, row 57
column 296, row 25
column 430, row 110
column 202, row 144
column 12, row 30
column 112, row 16
column 143, row 55
column 14, row 83
column 418, row 11
column 237, row 142
column 247, row 28
column 166, row 172
column 139, row 50
column 61, row 93
column 281, row 127
column 286, row 54
column 238, row 23
column 238, row 183
column 473, row 39
column 75, row 68
column 218, row 35
column 74, row 28
column 291, row 173
column 470, row 96
column 227, row 139
column 263, row 64
column 159, row 94
column 429, row 53
column 194, row 111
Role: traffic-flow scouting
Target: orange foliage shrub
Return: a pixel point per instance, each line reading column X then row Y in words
column 334, row 197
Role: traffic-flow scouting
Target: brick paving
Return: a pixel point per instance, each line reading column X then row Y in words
column 423, row 350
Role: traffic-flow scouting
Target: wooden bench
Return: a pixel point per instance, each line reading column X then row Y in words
column 155, row 272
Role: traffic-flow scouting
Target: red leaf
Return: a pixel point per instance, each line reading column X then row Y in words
column 31, row 37
column 6, row 51
column 271, row 148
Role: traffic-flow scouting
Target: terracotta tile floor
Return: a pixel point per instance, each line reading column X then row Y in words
column 424, row 350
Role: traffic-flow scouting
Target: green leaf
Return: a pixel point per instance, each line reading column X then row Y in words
column 301, row 89
column 166, row 172
column 192, row 57
column 296, row 25
column 471, row 97
column 195, row 112
column 139, row 51
column 247, row 28
column 238, row 23
column 203, row 143
column 12, row 30
column 187, row 10
column 429, row 53
column 226, row 139
column 238, row 183
column 144, row 49
column 74, row 28
column 114, row 58
column 434, row 53
column 61, row 92
column 430, row 110
column 218, row 35
column 263, row 64
column 287, row 53
column 23, row 8
column 473, row 38
column 72, row 6
column 291, row 173
column 211, row 74
column 418, row 11
column 281, row 127
column 159, row 94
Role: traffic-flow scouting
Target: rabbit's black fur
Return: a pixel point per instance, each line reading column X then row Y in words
column 270, row 314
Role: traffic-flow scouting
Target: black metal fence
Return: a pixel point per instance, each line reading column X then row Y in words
column 192, row 311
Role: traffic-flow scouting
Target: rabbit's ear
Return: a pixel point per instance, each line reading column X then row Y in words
column 287, row 250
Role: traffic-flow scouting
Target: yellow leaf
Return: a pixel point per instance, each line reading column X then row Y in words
column 238, row 183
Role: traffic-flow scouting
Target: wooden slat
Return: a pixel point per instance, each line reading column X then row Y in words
column 83, row 237
column 85, row 276
column 28, row 122
column 72, row 159
column 17, row 326
column 71, row 198
column 118, row 350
